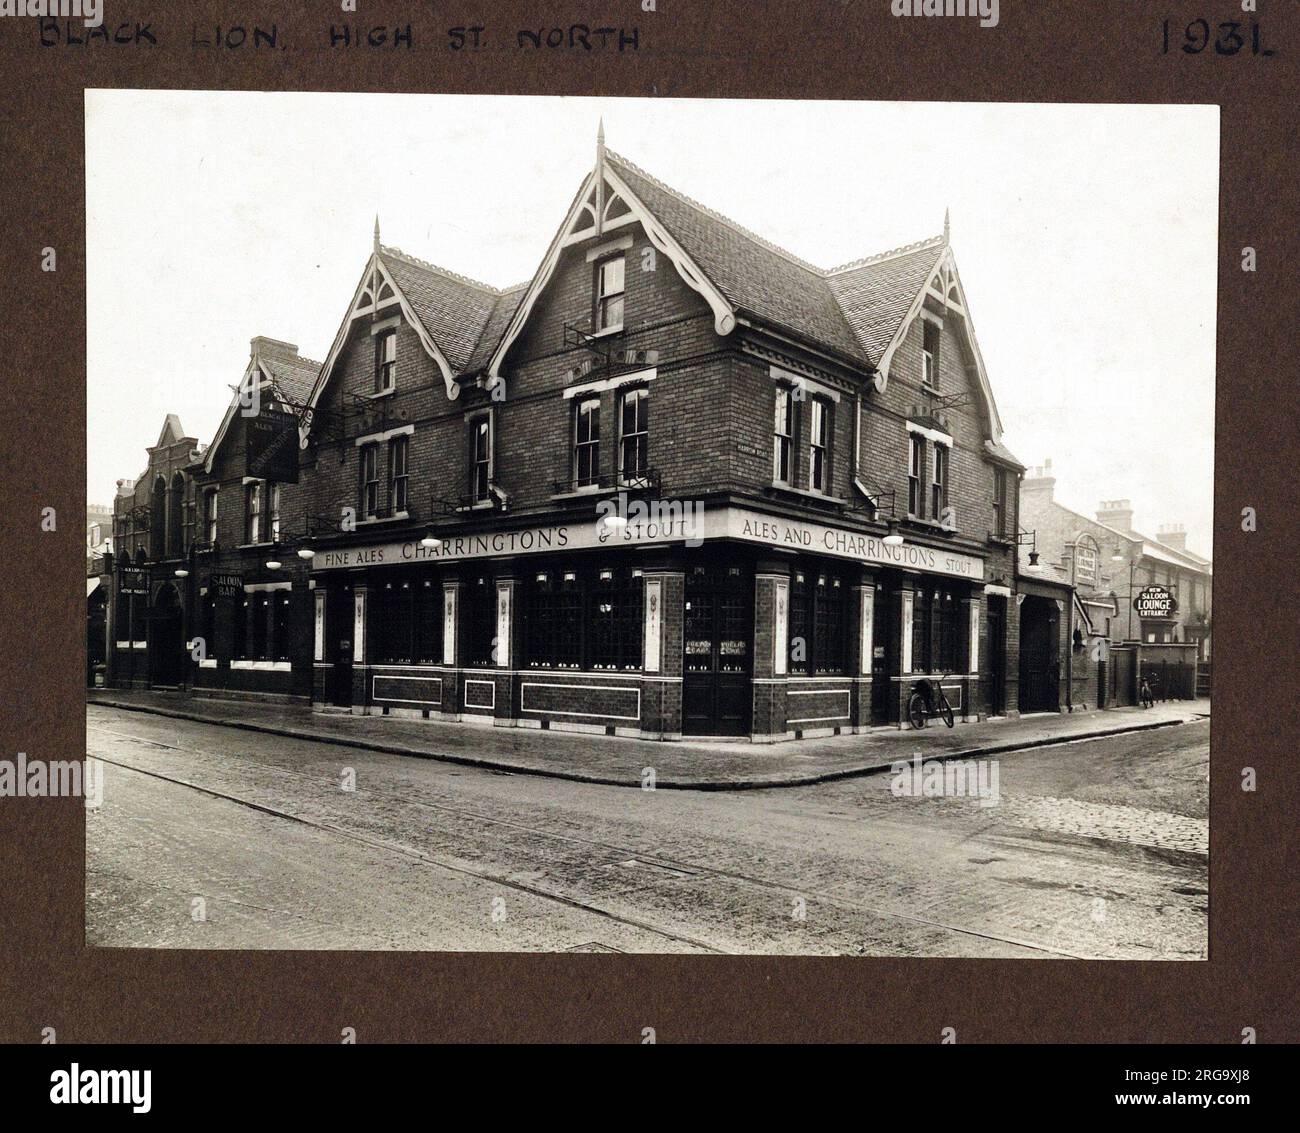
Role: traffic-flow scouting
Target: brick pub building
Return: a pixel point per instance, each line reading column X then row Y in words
column 679, row 483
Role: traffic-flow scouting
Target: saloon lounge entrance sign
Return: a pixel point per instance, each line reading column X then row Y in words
column 1155, row 602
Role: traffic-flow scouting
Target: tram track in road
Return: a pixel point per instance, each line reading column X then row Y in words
column 418, row 855
column 610, row 852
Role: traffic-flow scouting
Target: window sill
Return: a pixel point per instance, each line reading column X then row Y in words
column 607, row 331
column 587, row 492
column 807, row 493
column 380, row 394
column 254, row 546
column 481, row 505
column 930, row 526
column 396, row 517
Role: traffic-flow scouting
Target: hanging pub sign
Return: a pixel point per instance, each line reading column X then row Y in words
column 1155, row 602
column 132, row 580
column 227, row 585
column 271, row 446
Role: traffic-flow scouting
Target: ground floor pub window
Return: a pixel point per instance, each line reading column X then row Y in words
column 407, row 620
column 584, row 618
column 280, row 624
column 239, row 628
column 936, row 613
column 480, row 621
column 818, row 609
column 260, row 630
column 208, row 625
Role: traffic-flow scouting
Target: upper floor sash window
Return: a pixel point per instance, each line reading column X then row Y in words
column 586, row 443
column 819, row 466
column 369, row 480
column 480, row 457
column 634, row 447
column 930, row 355
column 939, row 481
column 915, row 463
column 253, row 512
column 386, row 361
column 609, row 293
column 398, row 477
column 783, row 435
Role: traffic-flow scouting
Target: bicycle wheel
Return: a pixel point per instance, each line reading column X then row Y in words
column 945, row 710
column 916, row 710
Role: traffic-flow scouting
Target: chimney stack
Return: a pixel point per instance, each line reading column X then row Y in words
column 1117, row 514
column 1173, row 535
column 1039, row 481
column 273, row 348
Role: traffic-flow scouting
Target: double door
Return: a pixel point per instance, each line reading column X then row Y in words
column 717, row 698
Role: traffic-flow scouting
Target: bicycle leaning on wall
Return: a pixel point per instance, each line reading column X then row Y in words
column 927, row 701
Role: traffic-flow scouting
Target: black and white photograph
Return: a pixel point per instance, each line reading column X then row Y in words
column 593, row 524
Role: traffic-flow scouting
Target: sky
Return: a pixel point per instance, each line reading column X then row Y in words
column 1086, row 238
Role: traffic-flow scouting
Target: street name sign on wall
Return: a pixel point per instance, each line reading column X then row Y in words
column 1155, row 602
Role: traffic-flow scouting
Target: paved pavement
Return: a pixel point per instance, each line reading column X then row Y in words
column 615, row 761
column 211, row 836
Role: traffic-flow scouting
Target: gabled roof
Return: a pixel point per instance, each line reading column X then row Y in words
column 171, row 434
column 291, row 378
column 448, row 312
column 858, row 312
column 503, row 310
column 754, row 274
column 453, row 308
column 877, row 293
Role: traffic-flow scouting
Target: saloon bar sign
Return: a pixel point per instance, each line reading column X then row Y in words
column 1155, row 602
column 227, row 585
column 271, row 446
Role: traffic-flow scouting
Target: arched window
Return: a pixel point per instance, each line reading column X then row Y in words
column 158, row 519
column 176, row 517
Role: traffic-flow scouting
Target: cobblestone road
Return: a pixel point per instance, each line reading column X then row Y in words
column 1095, row 850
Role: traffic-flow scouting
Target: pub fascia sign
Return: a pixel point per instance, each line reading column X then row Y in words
column 726, row 523
column 1155, row 602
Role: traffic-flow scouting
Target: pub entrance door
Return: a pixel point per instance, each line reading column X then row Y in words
column 166, row 649
column 716, row 695
column 997, row 651
column 338, row 643
column 883, row 655
column 1040, row 668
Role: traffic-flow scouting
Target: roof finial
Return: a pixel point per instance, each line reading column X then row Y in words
column 947, row 226
column 376, row 234
column 600, row 136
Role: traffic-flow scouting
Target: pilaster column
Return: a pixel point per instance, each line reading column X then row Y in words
column 664, row 612
column 771, row 647
column 507, row 647
column 864, row 602
column 360, row 648
column 975, row 702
